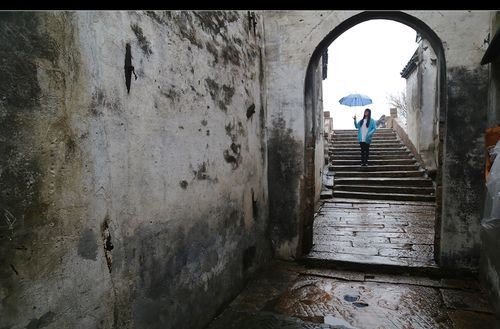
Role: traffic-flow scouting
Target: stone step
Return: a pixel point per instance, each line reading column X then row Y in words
column 357, row 157
column 384, row 196
column 371, row 168
column 355, row 131
column 355, row 135
column 423, row 190
column 355, row 141
column 373, row 162
column 374, row 142
column 413, row 173
column 326, row 194
column 335, row 139
column 392, row 174
column 372, row 146
column 386, row 181
column 357, row 151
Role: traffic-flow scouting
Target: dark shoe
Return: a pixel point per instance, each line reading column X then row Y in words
column 364, row 165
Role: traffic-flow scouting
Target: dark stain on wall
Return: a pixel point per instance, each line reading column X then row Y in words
column 261, row 67
column 248, row 257
column 215, row 22
column 141, row 39
column 233, row 154
column 262, row 118
column 100, row 102
column 212, row 49
column 42, row 322
column 87, row 245
column 161, row 17
column 183, row 184
column 284, row 170
column 22, row 213
column 171, row 93
column 213, row 88
column 234, row 130
column 255, row 207
column 96, row 103
column 235, row 148
column 262, row 123
column 22, row 44
column 227, row 94
column 230, row 54
column 179, row 268
column 201, row 173
column 466, row 120
column 232, row 157
column 250, row 111
column 70, row 148
column 187, row 29
column 107, row 242
column 223, row 96
column 36, row 144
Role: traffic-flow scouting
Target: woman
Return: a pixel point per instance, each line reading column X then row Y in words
column 366, row 128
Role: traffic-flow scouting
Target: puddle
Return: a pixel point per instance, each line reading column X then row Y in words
column 351, row 298
column 360, row 304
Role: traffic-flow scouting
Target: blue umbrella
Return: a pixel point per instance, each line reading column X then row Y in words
column 355, row 100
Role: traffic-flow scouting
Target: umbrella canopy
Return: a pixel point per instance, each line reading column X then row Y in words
column 355, row 100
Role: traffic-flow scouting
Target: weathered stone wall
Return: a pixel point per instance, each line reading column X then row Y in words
column 293, row 37
column 140, row 209
column 430, row 116
column 490, row 244
column 320, row 139
column 414, row 112
column 423, row 117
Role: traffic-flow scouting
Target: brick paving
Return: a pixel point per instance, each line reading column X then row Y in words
column 289, row 295
column 397, row 233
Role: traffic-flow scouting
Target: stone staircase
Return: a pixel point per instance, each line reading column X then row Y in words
column 392, row 173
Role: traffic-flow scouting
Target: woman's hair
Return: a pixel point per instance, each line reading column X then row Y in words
column 369, row 117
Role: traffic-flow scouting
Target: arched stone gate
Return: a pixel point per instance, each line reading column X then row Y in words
column 294, row 44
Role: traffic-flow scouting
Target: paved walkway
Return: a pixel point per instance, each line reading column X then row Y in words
column 396, row 233
column 287, row 295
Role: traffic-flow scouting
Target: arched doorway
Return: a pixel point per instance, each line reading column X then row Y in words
column 312, row 117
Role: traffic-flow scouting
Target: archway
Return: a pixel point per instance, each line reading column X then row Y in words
column 312, row 117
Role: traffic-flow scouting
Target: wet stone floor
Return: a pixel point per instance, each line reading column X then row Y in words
column 289, row 295
column 393, row 233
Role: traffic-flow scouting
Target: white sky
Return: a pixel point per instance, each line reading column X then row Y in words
column 367, row 59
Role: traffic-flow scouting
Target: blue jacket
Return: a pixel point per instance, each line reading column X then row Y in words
column 371, row 130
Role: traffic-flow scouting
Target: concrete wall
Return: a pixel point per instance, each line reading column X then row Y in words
column 291, row 39
column 146, row 209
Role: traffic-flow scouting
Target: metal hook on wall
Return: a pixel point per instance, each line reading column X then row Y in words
column 129, row 69
column 252, row 20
